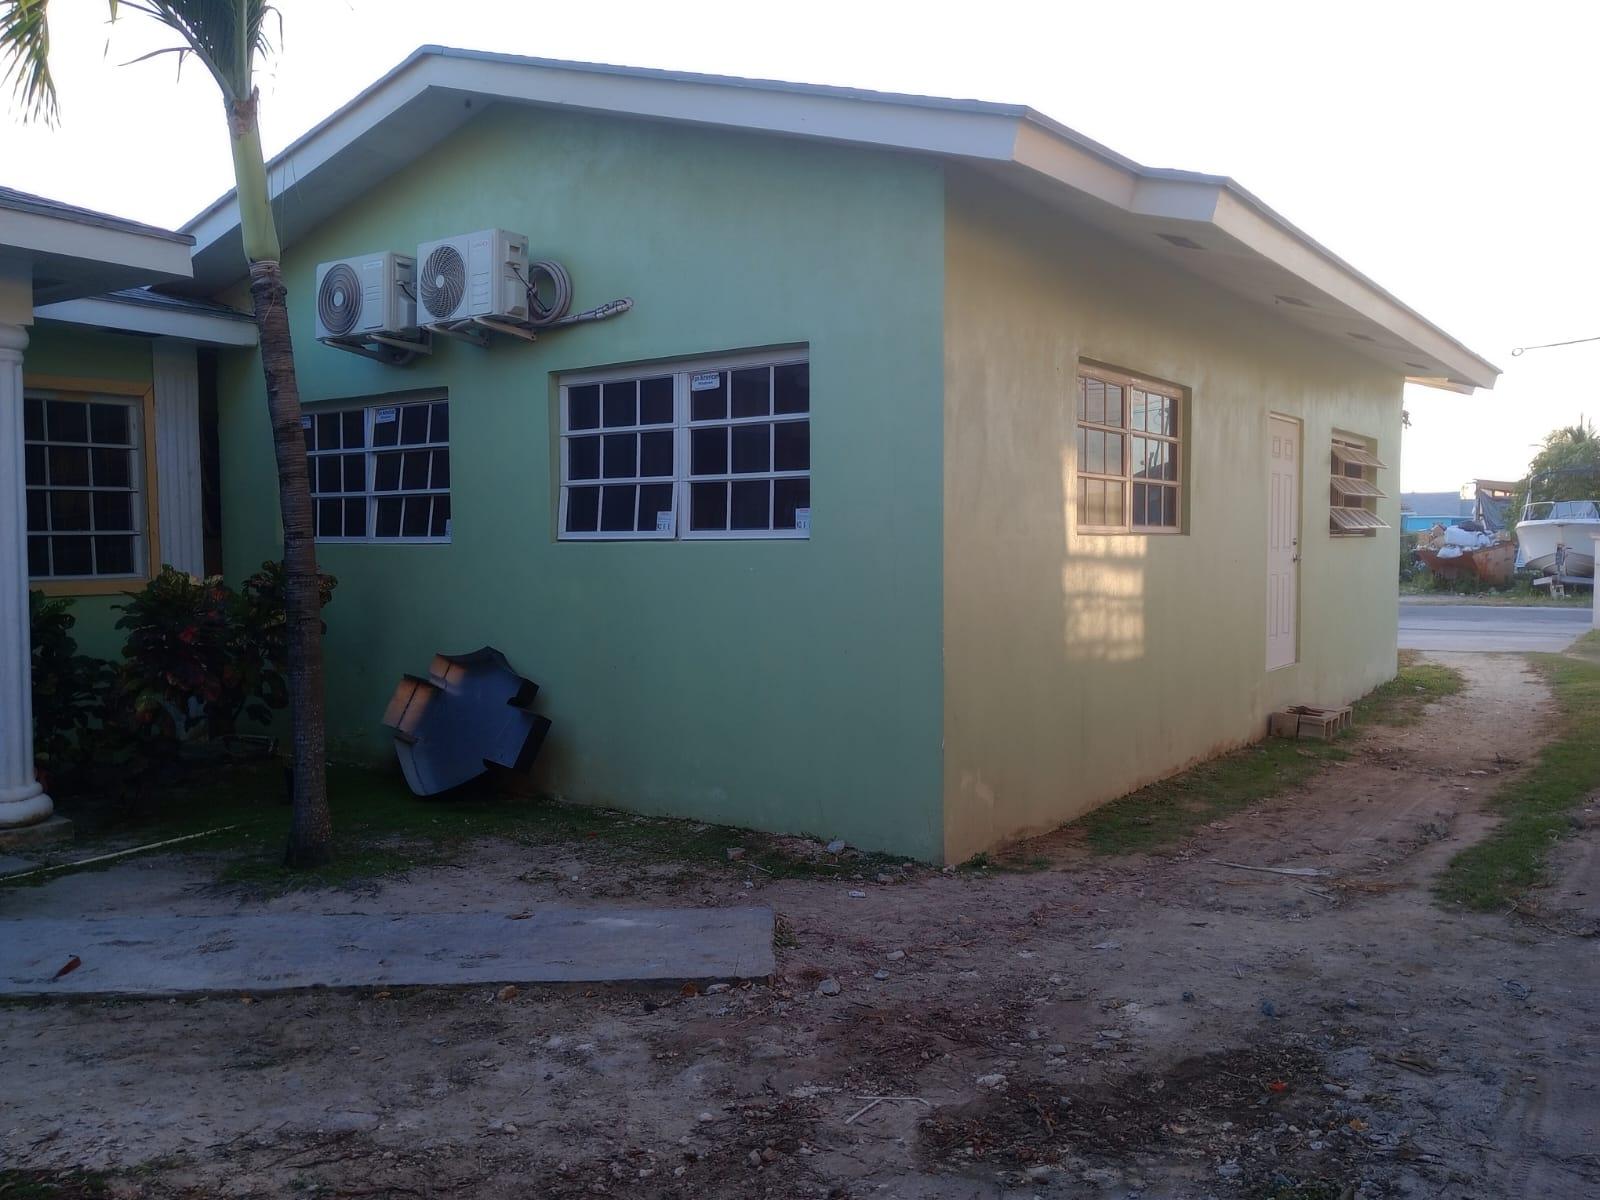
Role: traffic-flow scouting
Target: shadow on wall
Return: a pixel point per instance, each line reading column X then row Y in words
column 1102, row 593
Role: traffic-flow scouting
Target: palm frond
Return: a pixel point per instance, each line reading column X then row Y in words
column 25, row 54
column 226, row 35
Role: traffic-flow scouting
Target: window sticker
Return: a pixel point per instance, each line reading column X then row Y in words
column 802, row 520
column 384, row 416
column 705, row 381
column 664, row 521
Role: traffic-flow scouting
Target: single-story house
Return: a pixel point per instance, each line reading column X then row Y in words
column 949, row 475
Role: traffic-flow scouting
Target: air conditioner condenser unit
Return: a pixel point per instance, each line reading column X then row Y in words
column 473, row 275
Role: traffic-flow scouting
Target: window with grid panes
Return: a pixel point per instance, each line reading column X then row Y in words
column 713, row 449
column 1353, row 489
column 381, row 472
column 1130, row 454
column 83, row 467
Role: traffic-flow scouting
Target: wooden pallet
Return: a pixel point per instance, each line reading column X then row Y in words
column 1306, row 721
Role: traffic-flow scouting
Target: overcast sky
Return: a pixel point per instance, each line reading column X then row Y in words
column 1446, row 149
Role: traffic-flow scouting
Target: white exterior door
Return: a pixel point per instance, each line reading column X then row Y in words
column 1283, row 541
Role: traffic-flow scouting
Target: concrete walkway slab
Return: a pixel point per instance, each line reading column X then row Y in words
column 153, row 956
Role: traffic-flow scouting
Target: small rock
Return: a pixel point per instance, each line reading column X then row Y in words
column 993, row 1082
column 705, row 1118
column 828, row 987
column 857, row 894
column 880, row 975
column 969, row 976
column 1056, row 1049
column 716, row 988
column 1229, row 1170
column 1188, row 997
column 508, row 993
column 755, row 1158
column 895, row 955
column 882, row 878
column 1108, row 946
column 835, row 846
column 735, row 853
column 1269, row 1009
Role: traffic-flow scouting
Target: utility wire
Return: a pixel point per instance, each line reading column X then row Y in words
column 1521, row 350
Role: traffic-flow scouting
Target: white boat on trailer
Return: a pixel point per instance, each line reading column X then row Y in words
column 1557, row 537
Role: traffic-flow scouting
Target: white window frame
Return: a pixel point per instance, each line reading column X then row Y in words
column 1354, row 493
column 1179, row 485
column 139, row 478
column 369, row 407
column 681, row 371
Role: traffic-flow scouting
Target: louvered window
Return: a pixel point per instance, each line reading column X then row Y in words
column 1353, row 489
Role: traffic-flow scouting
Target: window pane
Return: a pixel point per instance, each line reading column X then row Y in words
column 621, row 404
column 69, row 466
column 583, row 407
column 33, row 464
column 1136, row 409
column 111, row 467
column 413, row 472
column 327, row 425
column 113, row 511
column 388, row 518
column 355, row 518
column 1093, row 406
column 655, row 454
column 113, row 555
column 327, row 473
column 1113, row 404
column 621, row 460
column 1095, row 445
column 354, row 429
column 708, row 506
column 583, row 509
column 38, row 556
column 439, row 425
column 792, row 388
column 583, row 458
column 616, row 508
column 33, row 419
column 441, row 517
column 751, row 498
column 708, row 451
column 1116, row 498
column 72, row 556
column 655, row 499
column 791, row 446
column 1169, row 507
column 1138, row 453
column 788, row 495
column 752, row 393
column 386, row 472
column 385, row 433
column 416, row 515
column 1083, row 448
column 440, row 476
column 69, row 510
column 708, row 403
column 355, row 472
column 109, row 423
column 752, row 448
column 1146, row 504
column 330, row 518
column 655, row 401
column 38, row 511
column 1113, row 443
column 413, row 427
column 69, row 422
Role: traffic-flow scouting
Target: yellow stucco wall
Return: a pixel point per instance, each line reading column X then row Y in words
column 1079, row 667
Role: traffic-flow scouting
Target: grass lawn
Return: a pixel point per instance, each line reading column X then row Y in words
column 1520, row 593
column 381, row 828
column 1537, row 806
column 1170, row 810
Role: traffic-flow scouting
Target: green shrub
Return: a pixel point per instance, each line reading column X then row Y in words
column 69, row 688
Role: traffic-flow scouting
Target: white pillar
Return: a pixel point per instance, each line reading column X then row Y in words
column 1593, row 590
column 177, row 439
column 22, row 800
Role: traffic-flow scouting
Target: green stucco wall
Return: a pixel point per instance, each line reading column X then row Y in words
column 73, row 352
column 788, row 685
column 1079, row 667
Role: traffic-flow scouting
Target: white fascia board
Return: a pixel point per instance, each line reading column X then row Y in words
column 100, row 313
column 163, row 258
column 1245, row 219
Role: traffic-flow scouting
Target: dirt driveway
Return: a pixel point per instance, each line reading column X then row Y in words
column 1142, row 1026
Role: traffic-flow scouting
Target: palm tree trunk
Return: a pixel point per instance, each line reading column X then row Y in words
column 310, row 825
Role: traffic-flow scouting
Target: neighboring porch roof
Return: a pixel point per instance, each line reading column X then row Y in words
column 139, row 310
column 1205, row 224
column 64, row 252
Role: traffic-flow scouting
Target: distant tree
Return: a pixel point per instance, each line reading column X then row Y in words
column 227, row 37
column 1567, row 467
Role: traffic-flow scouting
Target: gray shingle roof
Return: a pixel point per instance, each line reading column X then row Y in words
column 43, row 206
column 187, row 304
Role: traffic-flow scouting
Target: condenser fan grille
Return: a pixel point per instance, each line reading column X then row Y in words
column 339, row 299
column 443, row 280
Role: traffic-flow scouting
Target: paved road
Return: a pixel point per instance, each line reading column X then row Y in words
column 1489, row 627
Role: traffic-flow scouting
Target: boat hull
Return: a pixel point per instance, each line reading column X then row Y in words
column 1539, row 541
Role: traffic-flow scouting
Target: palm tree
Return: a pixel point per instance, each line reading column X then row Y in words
column 227, row 37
